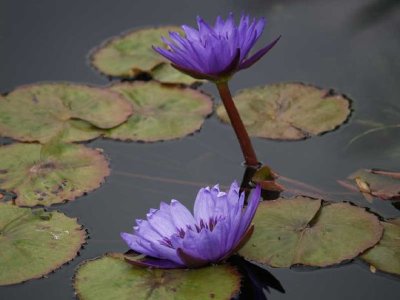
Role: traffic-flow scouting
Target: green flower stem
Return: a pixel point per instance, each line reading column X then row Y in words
column 237, row 124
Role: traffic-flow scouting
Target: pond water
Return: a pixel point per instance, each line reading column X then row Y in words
column 351, row 46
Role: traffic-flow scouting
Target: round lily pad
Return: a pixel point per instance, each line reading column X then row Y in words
column 161, row 112
column 385, row 255
column 41, row 111
column 39, row 178
column 167, row 74
column 310, row 232
column 289, row 111
column 35, row 242
column 110, row 277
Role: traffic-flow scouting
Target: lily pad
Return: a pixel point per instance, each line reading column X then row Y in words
column 39, row 178
column 35, row 242
column 131, row 54
column 310, row 232
column 385, row 255
column 161, row 112
column 381, row 184
column 110, row 277
column 289, row 111
column 167, row 74
column 41, row 111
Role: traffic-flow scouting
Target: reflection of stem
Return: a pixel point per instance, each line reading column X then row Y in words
column 237, row 124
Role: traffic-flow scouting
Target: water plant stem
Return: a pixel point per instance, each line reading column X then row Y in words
column 237, row 124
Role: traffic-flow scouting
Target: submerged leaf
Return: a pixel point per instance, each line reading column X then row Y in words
column 310, row 232
column 34, row 242
column 39, row 112
column 385, row 256
column 110, row 277
column 40, row 179
column 161, row 112
column 289, row 111
column 381, row 184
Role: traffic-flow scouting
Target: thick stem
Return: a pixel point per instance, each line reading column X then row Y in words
column 237, row 124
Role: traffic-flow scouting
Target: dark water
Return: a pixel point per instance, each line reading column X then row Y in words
column 352, row 46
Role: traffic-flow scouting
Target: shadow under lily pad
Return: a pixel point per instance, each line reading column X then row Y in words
column 310, row 232
column 110, row 277
column 161, row 112
column 289, row 111
column 35, row 242
column 131, row 54
column 39, row 112
column 385, row 256
column 41, row 178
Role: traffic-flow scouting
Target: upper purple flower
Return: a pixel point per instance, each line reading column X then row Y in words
column 217, row 52
column 172, row 237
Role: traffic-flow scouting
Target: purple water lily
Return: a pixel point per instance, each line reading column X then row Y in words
column 216, row 52
column 172, row 237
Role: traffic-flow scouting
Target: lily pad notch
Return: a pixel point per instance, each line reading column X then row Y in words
column 289, row 111
column 110, row 277
column 161, row 112
column 40, row 112
column 39, row 177
column 310, row 232
column 34, row 243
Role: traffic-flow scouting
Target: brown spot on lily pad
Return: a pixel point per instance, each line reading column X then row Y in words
column 110, row 276
column 289, row 111
column 40, row 179
column 35, row 242
column 39, row 112
column 310, row 232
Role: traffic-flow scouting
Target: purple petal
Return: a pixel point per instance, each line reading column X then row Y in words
column 203, row 205
column 258, row 55
column 254, row 200
column 181, row 216
column 137, row 244
column 190, row 260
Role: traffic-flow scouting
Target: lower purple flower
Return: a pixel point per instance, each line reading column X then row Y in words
column 172, row 237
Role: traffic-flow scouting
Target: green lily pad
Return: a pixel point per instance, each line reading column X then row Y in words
column 40, row 178
column 161, row 112
column 165, row 73
column 110, row 277
column 41, row 111
column 385, row 255
column 310, row 232
column 132, row 54
column 289, row 111
column 381, row 184
column 34, row 242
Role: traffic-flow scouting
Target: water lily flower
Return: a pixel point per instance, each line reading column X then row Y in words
column 172, row 237
column 215, row 52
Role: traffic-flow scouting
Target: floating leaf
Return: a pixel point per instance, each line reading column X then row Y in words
column 110, row 277
column 160, row 112
column 39, row 178
column 34, row 242
column 41, row 111
column 167, row 74
column 131, row 54
column 381, row 184
column 310, row 232
column 289, row 111
column 385, row 255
